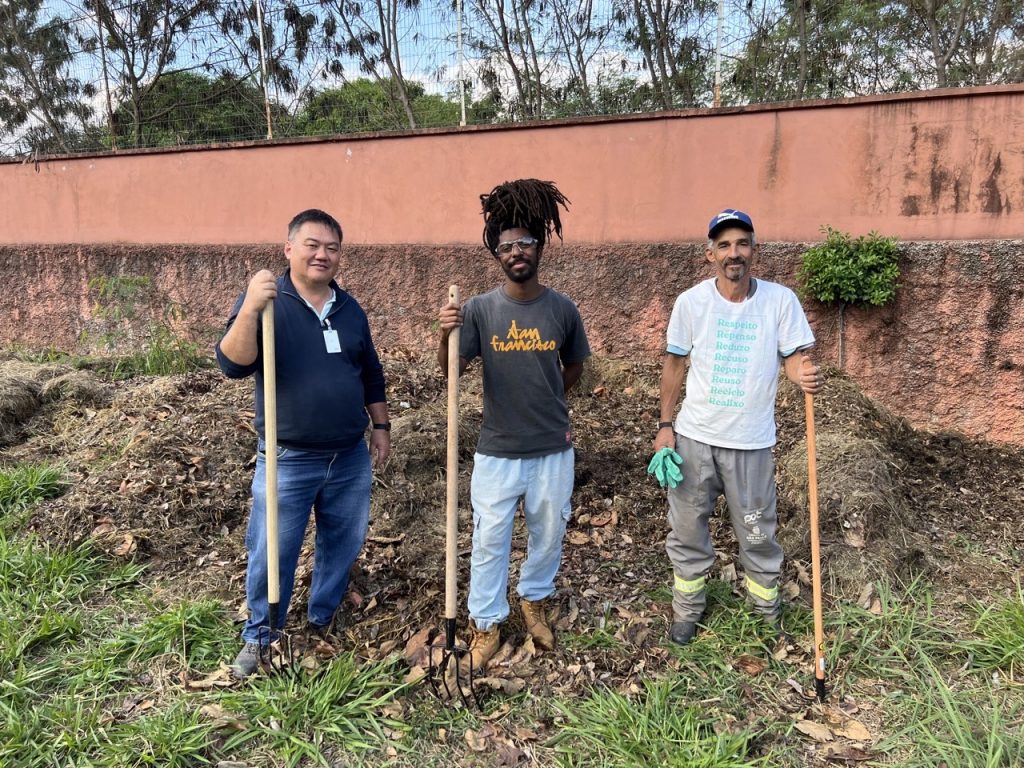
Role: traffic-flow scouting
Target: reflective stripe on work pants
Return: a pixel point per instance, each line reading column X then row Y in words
column 747, row 479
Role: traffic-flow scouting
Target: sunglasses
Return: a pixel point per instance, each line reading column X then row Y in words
column 524, row 243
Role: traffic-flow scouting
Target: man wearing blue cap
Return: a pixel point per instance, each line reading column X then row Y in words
column 728, row 336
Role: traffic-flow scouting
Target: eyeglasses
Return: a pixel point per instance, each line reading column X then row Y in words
column 524, row 243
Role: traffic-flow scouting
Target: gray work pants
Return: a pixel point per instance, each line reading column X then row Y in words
column 747, row 478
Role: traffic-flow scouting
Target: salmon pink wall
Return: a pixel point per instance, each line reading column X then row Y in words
column 941, row 171
column 941, row 165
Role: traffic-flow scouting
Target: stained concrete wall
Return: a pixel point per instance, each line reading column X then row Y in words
column 947, row 355
column 941, row 165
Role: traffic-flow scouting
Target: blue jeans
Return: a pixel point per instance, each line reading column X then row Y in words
column 336, row 487
column 545, row 484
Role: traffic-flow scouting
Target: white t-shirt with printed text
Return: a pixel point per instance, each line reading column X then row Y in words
column 735, row 351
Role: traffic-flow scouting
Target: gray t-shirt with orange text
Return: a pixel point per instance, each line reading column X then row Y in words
column 523, row 346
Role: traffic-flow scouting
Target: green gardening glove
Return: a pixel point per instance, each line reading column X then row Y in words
column 665, row 468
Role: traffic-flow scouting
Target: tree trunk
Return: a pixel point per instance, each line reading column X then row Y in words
column 842, row 334
column 801, row 25
column 392, row 56
column 644, row 40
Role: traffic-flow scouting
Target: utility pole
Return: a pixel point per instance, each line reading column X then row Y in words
column 263, row 69
column 462, row 59
column 718, row 54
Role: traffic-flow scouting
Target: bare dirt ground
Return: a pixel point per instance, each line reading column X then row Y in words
column 161, row 469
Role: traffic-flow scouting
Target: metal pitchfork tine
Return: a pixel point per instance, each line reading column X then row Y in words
column 451, row 654
column 275, row 635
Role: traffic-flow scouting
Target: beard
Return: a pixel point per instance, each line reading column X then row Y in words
column 741, row 264
column 520, row 276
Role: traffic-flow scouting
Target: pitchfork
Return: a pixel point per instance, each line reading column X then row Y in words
column 276, row 651
column 441, row 678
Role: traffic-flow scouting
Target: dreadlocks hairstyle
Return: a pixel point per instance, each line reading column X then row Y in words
column 527, row 203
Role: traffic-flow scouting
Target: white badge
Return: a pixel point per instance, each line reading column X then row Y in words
column 331, row 341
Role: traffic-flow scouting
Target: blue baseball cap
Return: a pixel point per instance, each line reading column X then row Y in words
column 730, row 217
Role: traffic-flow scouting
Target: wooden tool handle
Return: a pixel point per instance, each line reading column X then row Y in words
column 812, row 496
column 452, row 494
column 270, row 441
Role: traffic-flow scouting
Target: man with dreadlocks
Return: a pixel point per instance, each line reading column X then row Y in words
column 532, row 345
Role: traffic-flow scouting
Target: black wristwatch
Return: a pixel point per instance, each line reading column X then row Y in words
column 663, row 424
column 386, row 426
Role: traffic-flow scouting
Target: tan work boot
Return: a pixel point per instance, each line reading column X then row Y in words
column 483, row 644
column 535, row 616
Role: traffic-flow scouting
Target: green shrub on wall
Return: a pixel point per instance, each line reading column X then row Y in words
column 844, row 270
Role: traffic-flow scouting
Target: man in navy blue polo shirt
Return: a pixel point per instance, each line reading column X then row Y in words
column 328, row 379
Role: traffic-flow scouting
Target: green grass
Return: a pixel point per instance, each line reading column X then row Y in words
column 970, row 726
column 50, row 709
column 41, row 590
column 23, row 486
column 1000, row 645
column 661, row 726
column 591, row 639
column 892, row 644
column 93, row 665
column 600, row 636
column 730, row 626
column 178, row 736
column 39, row 596
column 85, row 695
column 659, row 594
column 82, row 649
column 100, row 727
column 943, row 715
column 195, row 634
column 41, row 355
column 296, row 714
column 163, row 354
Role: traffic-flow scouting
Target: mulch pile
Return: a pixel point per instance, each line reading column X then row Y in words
column 161, row 469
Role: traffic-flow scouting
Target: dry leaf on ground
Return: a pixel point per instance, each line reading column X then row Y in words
column 816, row 731
column 750, row 665
column 845, row 752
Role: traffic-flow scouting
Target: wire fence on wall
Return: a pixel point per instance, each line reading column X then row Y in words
column 88, row 75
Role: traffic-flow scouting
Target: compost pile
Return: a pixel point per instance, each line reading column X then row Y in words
column 160, row 470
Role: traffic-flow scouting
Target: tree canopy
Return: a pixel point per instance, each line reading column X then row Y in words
column 159, row 72
column 373, row 105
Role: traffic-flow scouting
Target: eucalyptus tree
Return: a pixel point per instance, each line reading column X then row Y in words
column 512, row 42
column 140, row 42
column 966, row 42
column 279, row 45
column 376, row 34
column 585, row 45
column 43, row 106
column 675, row 39
column 797, row 49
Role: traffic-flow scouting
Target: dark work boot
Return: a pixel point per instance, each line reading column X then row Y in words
column 247, row 661
column 682, row 632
